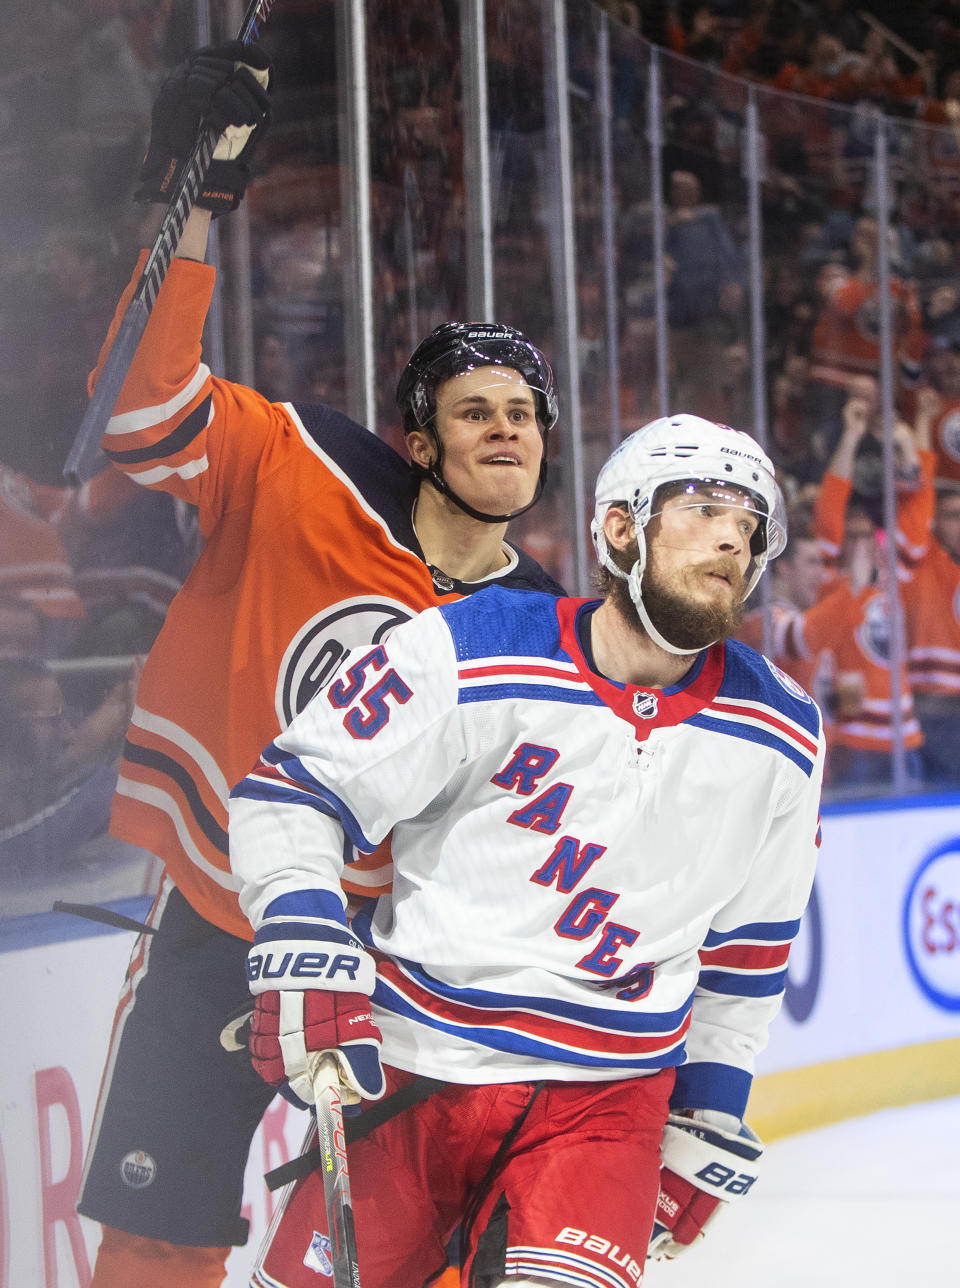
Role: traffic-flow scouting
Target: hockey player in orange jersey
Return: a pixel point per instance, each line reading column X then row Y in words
column 318, row 537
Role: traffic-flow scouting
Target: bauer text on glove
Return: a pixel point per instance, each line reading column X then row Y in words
column 311, row 980
column 705, row 1166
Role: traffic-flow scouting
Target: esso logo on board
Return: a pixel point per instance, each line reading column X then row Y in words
column 805, row 964
column 931, row 926
column 314, row 654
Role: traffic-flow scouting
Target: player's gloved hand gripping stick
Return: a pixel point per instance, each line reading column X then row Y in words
column 706, row 1164
column 222, row 110
column 312, row 1026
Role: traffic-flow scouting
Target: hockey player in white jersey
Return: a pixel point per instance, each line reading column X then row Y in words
column 605, row 820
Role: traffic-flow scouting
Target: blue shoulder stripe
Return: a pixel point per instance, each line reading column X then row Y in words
column 531, row 692
column 750, row 733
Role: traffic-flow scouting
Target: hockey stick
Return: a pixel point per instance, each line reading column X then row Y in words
column 84, row 456
column 336, row 1173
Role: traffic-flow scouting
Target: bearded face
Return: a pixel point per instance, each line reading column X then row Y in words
column 696, row 603
column 692, row 599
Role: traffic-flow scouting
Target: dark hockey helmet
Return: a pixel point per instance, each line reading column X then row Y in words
column 453, row 349
column 456, row 347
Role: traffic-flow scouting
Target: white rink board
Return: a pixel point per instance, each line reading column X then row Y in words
column 886, row 970
column 56, row 1009
column 57, row 1004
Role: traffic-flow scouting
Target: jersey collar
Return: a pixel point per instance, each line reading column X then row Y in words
column 642, row 708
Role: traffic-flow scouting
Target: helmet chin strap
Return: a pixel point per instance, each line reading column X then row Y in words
column 633, row 585
column 634, row 579
column 441, row 484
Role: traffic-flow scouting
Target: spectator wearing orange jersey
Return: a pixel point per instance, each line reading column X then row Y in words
column 846, row 335
column 932, row 604
column 943, row 373
column 793, row 607
column 932, row 608
column 861, row 740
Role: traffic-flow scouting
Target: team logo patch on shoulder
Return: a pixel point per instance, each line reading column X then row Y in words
column 645, row 706
column 137, row 1169
column 317, row 1257
column 788, row 682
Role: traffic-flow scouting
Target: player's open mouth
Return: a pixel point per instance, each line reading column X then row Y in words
column 501, row 460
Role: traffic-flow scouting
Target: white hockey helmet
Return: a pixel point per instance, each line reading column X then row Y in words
column 688, row 449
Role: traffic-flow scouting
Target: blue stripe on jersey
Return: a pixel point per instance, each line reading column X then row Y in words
column 254, row 789
column 307, row 903
column 750, row 733
column 593, row 1016
column 302, row 909
column 313, row 793
column 735, row 984
column 517, row 1043
column 496, row 622
column 774, row 932
column 710, row 1085
column 531, row 692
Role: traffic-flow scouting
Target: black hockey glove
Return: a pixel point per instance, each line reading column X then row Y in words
column 226, row 87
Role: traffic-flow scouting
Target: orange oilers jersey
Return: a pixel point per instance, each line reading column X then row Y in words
column 932, row 606
column 801, row 641
column 846, row 335
column 788, row 648
column 865, row 650
column 309, row 549
column 914, row 514
column 946, row 440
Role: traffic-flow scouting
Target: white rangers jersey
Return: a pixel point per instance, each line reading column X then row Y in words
column 591, row 880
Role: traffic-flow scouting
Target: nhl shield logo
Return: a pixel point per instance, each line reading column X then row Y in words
column 645, row 705
column 317, row 1257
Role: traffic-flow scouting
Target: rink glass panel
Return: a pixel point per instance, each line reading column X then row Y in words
column 628, row 337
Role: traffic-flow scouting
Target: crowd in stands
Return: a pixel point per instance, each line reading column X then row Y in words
column 87, row 574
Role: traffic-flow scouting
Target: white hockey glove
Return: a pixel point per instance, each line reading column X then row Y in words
column 311, row 981
column 707, row 1162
